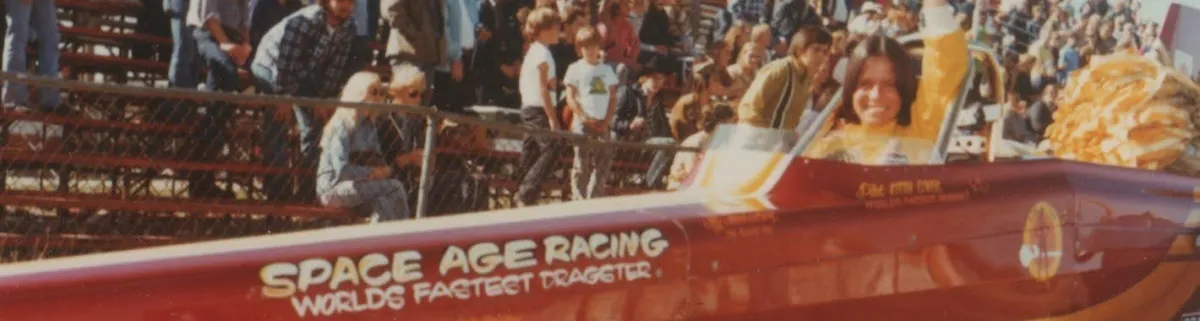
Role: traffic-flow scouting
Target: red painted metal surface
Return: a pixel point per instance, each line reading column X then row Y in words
column 1050, row 240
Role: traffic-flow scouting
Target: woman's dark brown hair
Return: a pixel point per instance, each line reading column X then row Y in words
column 902, row 69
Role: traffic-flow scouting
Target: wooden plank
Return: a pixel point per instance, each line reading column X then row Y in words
column 86, row 61
column 127, row 38
column 87, row 241
column 95, row 124
column 102, row 161
column 122, row 7
column 76, row 201
column 83, row 61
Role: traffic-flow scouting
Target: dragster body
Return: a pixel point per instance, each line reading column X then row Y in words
column 758, row 234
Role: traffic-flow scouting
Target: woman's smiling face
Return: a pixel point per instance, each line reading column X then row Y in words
column 876, row 99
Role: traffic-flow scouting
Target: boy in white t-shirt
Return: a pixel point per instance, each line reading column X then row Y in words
column 592, row 98
column 536, row 84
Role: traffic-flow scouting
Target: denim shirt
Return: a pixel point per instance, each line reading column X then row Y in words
column 346, row 137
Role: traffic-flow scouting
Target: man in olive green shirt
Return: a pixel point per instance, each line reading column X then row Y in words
column 780, row 92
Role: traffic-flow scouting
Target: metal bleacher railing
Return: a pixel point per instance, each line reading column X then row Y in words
column 117, row 170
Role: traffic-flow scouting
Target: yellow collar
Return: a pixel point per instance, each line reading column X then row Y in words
column 867, row 131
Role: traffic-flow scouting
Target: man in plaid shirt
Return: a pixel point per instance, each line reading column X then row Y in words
column 305, row 55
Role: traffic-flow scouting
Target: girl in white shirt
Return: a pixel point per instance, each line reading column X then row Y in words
column 537, row 85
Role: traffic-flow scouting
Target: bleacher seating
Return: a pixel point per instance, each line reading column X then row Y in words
column 104, row 176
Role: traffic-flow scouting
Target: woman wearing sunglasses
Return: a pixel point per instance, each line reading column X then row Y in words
column 353, row 174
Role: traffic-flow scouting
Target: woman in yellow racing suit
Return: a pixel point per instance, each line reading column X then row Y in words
column 886, row 116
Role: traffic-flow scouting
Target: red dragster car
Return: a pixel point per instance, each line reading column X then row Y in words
column 760, row 233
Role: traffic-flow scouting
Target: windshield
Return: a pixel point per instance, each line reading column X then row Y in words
column 740, row 157
column 742, row 138
column 743, row 151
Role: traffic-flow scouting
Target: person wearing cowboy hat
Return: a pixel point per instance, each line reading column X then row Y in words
column 642, row 117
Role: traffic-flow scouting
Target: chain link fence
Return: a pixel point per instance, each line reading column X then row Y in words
column 125, row 167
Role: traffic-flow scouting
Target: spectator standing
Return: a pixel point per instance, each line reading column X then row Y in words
column 305, row 55
column 366, row 20
column 182, row 70
column 537, row 87
column 1069, row 60
column 417, row 36
column 592, row 97
column 499, row 28
column 620, row 37
column 449, row 90
column 498, row 35
column 566, row 51
column 656, row 37
column 222, row 40
column 779, row 94
column 637, row 14
column 152, row 19
column 40, row 18
column 264, row 14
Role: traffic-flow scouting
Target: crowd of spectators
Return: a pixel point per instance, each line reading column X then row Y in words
column 625, row 70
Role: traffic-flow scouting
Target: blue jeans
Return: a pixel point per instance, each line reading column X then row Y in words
column 183, row 69
column 275, row 138
column 39, row 16
column 182, row 72
column 589, row 176
column 381, row 200
column 211, row 134
column 660, row 163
